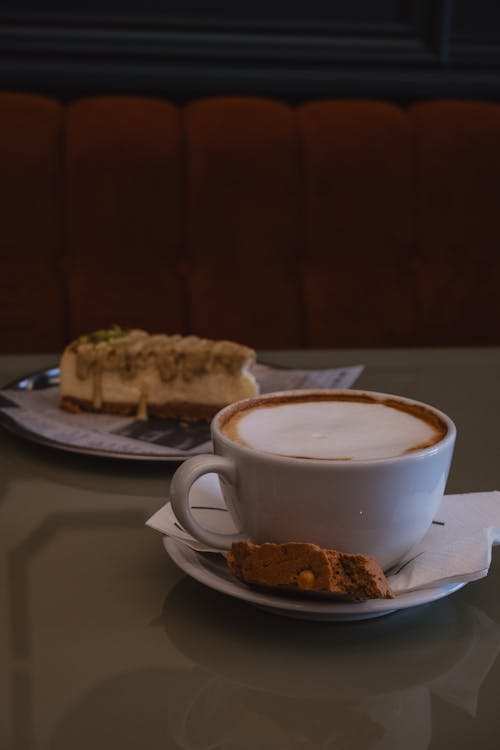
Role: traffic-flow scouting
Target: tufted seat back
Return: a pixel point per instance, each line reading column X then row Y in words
column 331, row 224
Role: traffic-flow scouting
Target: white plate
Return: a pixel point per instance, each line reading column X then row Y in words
column 100, row 443
column 152, row 440
column 210, row 569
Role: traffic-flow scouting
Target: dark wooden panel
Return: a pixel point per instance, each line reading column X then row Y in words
column 397, row 49
column 247, row 15
column 475, row 34
column 360, row 47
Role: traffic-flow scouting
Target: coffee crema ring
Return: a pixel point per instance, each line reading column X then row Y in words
column 333, row 432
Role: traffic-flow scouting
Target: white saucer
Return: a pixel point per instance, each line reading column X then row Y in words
column 208, row 566
column 210, row 569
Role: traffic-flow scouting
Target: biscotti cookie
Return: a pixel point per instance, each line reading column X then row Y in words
column 307, row 567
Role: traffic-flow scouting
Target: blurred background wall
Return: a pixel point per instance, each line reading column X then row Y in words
column 182, row 49
column 320, row 174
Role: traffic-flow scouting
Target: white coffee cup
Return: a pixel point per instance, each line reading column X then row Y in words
column 380, row 506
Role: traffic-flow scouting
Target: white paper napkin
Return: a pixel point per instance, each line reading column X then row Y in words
column 457, row 547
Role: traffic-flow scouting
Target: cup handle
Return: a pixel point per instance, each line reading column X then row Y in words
column 180, row 486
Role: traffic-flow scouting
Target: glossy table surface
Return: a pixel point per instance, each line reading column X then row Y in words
column 104, row 643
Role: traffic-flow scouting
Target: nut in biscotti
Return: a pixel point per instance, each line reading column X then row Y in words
column 307, row 567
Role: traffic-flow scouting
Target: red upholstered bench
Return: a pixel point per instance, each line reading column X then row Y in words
column 331, row 224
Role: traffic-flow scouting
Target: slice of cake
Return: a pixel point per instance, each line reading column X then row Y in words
column 307, row 567
column 119, row 371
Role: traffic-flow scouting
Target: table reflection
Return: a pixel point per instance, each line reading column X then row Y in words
column 355, row 685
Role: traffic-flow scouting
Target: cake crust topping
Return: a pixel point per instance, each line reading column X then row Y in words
column 129, row 351
column 122, row 371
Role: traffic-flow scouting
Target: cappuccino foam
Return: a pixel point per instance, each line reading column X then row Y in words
column 335, row 429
